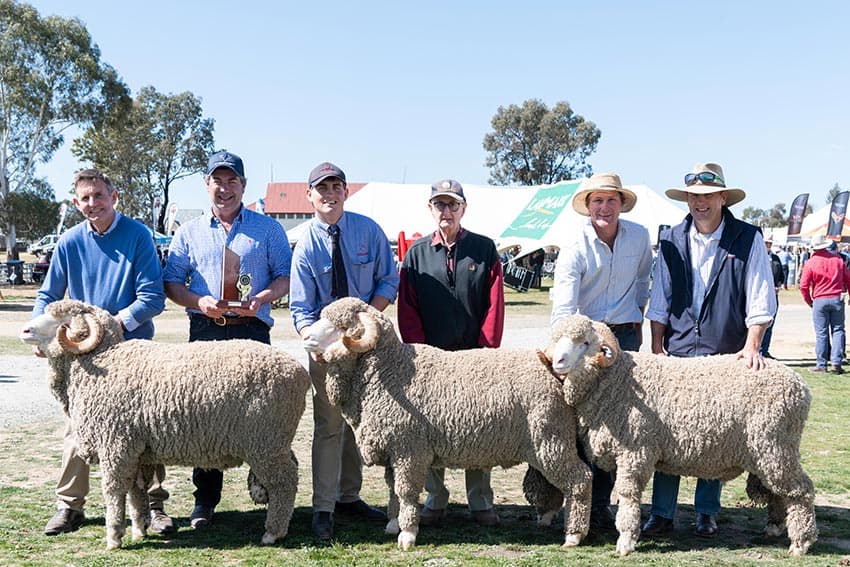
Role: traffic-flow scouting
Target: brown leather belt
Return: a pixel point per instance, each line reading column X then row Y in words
column 225, row 321
column 620, row 327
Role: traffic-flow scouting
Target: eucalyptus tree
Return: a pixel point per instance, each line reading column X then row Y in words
column 533, row 144
column 51, row 79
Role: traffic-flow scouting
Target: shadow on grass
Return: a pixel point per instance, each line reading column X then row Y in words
column 740, row 528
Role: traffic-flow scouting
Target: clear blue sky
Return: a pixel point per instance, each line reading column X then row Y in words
column 404, row 91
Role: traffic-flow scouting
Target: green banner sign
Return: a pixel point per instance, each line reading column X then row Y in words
column 542, row 210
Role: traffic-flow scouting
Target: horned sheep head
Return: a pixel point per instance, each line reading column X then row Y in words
column 77, row 327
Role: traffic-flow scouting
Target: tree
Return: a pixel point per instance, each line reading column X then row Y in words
column 836, row 189
column 771, row 218
column 533, row 145
column 161, row 139
column 51, row 78
column 34, row 209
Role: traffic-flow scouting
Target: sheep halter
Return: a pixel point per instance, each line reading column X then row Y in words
column 88, row 344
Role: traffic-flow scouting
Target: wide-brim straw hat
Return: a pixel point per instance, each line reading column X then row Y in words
column 821, row 242
column 602, row 182
column 733, row 194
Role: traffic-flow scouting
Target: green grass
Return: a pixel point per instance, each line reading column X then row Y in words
column 29, row 462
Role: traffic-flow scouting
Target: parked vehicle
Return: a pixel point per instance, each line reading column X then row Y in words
column 47, row 242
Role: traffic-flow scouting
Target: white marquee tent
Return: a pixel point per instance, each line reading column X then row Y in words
column 530, row 217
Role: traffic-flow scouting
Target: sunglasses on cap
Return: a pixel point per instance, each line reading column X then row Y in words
column 705, row 177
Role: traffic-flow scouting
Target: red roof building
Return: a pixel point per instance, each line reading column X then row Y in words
column 287, row 202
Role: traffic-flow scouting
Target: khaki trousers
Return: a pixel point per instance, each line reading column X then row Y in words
column 479, row 494
column 73, row 485
column 337, row 465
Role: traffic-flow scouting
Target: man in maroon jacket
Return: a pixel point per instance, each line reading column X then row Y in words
column 451, row 296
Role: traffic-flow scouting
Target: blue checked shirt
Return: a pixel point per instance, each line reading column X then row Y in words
column 369, row 264
column 195, row 254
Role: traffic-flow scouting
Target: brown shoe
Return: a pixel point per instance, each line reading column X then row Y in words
column 161, row 523
column 64, row 521
column 430, row 517
column 487, row 518
column 837, row 370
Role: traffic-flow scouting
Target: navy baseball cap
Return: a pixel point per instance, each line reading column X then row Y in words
column 323, row 171
column 228, row 160
column 448, row 187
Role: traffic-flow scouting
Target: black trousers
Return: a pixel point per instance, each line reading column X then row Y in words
column 208, row 482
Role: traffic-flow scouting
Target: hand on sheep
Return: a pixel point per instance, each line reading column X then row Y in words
column 752, row 359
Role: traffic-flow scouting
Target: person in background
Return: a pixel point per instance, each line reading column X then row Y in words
column 779, row 273
column 784, row 259
column 712, row 293
column 451, row 296
column 537, row 259
column 603, row 272
column 193, row 277
column 823, row 281
column 108, row 260
column 342, row 254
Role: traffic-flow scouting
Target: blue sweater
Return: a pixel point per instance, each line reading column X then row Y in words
column 118, row 271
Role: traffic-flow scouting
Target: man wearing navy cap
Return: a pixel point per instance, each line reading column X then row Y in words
column 193, row 278
column 451, row 297
column 342, row 254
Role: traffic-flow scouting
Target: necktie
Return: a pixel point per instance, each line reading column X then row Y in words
column 339, row 282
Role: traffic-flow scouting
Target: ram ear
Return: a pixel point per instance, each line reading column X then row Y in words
column 368, row 339
column 95, row 336
column 609, row 346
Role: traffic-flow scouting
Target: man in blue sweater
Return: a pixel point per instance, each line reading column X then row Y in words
column 110, row 261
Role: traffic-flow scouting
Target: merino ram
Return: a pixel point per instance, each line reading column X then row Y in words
column 708, row 417
column 415, row 406
column 133, row 404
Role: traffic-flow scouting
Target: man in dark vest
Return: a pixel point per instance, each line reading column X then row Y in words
column 712, row 294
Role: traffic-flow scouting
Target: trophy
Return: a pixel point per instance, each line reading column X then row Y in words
column 235, row 286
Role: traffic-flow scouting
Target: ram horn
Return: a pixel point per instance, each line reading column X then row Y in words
column 368, row 339
column 609, row 346
column 95, row 335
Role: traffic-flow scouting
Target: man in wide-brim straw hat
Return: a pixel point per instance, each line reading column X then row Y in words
column 603, row 272
column 712, row 294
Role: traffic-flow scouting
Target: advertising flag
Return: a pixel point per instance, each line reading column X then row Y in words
column 795, row 217
column 836, row 215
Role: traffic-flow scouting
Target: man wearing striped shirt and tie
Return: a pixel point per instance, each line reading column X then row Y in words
column 342, row 254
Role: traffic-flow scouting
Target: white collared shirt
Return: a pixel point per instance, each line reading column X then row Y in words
column 606, row 285
column 758, row 280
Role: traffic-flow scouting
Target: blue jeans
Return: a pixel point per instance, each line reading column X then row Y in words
column 828, row 317
column 665, row 493
column 208, row 482
column 768, row 334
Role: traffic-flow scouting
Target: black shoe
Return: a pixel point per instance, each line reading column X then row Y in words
column 602, row 519
column 657, row 526
column 360, row 509
column 706, row 526
column 202, row 516
column 65, row 520
column 323, row 526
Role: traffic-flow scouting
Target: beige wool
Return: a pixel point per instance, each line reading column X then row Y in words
column 136, row 403
column 415, row 406
column 708, row 417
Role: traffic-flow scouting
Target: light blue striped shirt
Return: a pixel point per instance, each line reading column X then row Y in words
column 369, row 266
column 195, row 254
column 606, row 285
